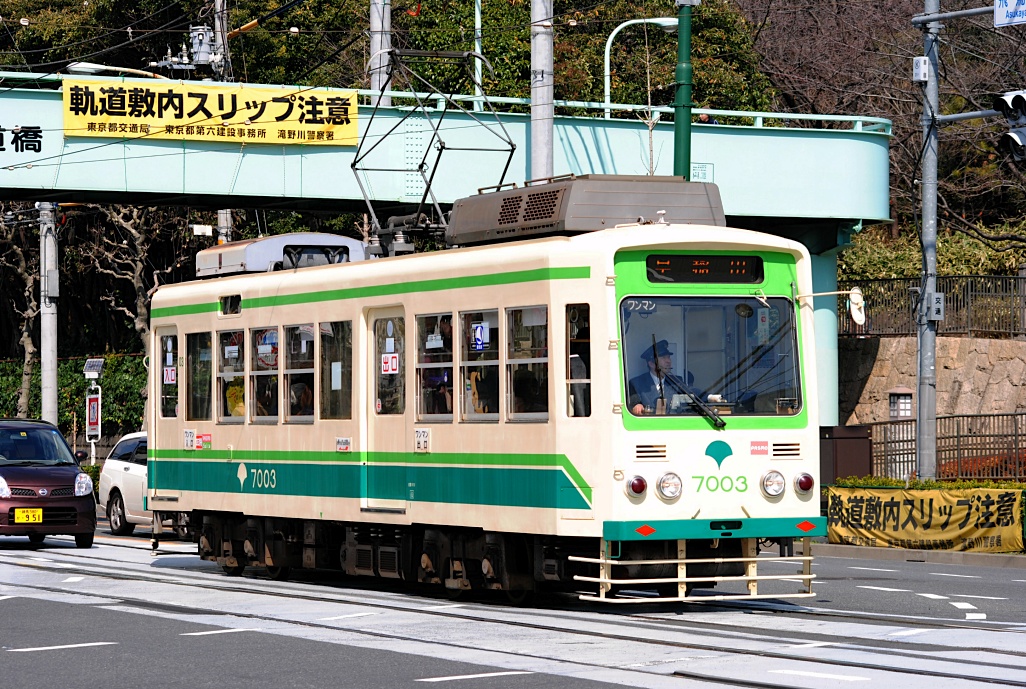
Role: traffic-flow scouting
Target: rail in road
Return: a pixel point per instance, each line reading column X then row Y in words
column 745, row 645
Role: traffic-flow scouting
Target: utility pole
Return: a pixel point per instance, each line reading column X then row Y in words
column 682, row 99
column 380, row 43
column 543, row 109
column 224, row 215
column 49, row 290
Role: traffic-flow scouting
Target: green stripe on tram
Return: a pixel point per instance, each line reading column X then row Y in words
column 511, row 480
column 406, row 287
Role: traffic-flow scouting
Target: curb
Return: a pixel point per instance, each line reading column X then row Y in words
column 939, row 557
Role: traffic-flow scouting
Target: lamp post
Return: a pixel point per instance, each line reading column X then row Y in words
column 668, row 24
column 682, row 101
column 93, row 68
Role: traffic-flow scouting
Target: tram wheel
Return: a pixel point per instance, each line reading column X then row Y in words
column 235, row 571
column 279, row 573
column 519, row 598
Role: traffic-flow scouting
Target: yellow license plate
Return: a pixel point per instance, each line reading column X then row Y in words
column 28, row 516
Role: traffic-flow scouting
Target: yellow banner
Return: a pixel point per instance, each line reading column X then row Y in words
column 204, row 111
column 980, row 519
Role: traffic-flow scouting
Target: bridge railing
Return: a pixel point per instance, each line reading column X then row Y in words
column 735, row 117
column 969, row 446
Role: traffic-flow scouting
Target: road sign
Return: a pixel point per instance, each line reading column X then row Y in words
column 1009, row 12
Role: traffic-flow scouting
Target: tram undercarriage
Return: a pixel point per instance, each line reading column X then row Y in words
column 464, row 559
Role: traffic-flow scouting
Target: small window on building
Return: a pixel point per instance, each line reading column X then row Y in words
column 169, row 376
column 299, row 372
column 231, row 375
column 479, row 365
column 231, row 305
column 434, row 367
column 900, row 403
column 390, row 365
column 199, row 365
column 527, row 365
column 263, row 375
column 336, row 370
column 578, row 364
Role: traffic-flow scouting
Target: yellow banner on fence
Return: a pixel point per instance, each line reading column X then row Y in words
column 204, row 111
column 979, row 519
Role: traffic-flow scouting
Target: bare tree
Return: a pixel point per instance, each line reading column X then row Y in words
column 19, row 261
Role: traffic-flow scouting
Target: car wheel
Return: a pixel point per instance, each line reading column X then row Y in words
column 84, row 540
column 36, row 537
column 119, row 525
column 234, row 571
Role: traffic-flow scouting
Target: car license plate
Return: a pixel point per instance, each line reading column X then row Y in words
column 28, row 516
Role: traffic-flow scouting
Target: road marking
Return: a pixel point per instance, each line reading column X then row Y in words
column 873, row 569
column 72, row 580
column 960, row 576
column 60, row 648
column 820, row 675
column 975, row 616
column 908, row 632
column 486, row 674
column 40, row 559
column 932, row 596
column 7, row 597
column 814, row 644
column 963, row 595
column 345, row 617
column 218, row 631
column 443, row 607
column 881, row 588
column 962, row 606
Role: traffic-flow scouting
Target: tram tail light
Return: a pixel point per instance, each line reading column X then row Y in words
column 637, row 486
column 803, row 483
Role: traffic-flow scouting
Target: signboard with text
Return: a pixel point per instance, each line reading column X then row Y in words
column 93, row 418
column 198, row 111
column 1009, row 12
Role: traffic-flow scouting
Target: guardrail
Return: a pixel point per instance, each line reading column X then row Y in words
column 980, row 305
column 984, row 446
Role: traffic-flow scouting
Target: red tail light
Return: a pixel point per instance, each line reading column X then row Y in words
column 637, row 486
column 803, row 483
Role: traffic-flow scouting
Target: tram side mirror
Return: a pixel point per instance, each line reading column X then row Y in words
column 857, row 306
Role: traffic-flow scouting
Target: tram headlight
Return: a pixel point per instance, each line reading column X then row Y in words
column 670, row 486
column 636, row 486
column 773, row 484
column 803, row 483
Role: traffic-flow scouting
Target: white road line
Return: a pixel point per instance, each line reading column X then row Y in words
column 908, row 632
column 60, row 648
column 40, row 559
column 486, row 674
column 346, row 617
column 443, row 607
column 962, row 606
column 218, row 631
column 975, row 616
column 72, row 580
column 963, row 595
column 873, row 569
column 820, row 675
column 932, row 596
column 881, row 588
column 814, row 644
column 960, row 576
column 7, row 597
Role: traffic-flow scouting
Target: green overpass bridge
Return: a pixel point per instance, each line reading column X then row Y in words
column 69, row 139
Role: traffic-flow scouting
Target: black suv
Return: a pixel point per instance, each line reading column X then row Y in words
column 43, row 491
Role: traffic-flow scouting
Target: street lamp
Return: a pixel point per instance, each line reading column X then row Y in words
column 668, row 24
column 93, row 68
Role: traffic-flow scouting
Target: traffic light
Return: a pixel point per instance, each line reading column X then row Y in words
column 1013, row 106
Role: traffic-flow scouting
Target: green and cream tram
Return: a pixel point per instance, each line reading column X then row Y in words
column 607, row 407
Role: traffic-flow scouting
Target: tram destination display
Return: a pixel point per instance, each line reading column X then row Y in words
column 702, row 268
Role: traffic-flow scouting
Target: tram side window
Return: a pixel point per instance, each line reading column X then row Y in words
column 263, row 375
column 479, row 365
column 578, row 365
column 434, row 367
column 390, row 365
column 337, row 370
column 299, row 372
column 199, row 365
column 527, row 364
column 231, row 376
column 169, row 376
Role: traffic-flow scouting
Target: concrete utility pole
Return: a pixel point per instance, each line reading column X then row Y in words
column 543, row 109
column 682, row 100
column 380, row 40
column 224, row 216
column 49, row 290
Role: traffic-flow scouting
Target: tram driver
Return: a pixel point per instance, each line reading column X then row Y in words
column 653, row 391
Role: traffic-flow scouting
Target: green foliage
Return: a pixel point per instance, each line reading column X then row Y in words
column 124, row 390
column 94, row 473
column 917, row 484
column 875, row 255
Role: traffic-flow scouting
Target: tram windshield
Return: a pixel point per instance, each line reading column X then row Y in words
column 712, row 356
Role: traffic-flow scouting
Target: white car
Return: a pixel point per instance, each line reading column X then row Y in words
column 123, row 485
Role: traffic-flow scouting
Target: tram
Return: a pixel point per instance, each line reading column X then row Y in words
column 603, row 389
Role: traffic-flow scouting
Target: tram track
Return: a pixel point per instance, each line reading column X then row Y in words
column 568, row 622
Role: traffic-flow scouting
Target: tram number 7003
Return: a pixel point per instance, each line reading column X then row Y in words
column 263, row 478
column 717, row 484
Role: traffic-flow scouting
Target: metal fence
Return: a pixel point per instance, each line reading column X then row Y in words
column 982, row 305
column 968, row 447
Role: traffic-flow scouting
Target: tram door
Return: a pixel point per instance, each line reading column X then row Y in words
column 384, row 468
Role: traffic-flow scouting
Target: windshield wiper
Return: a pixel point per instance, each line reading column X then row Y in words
column 696, row 401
